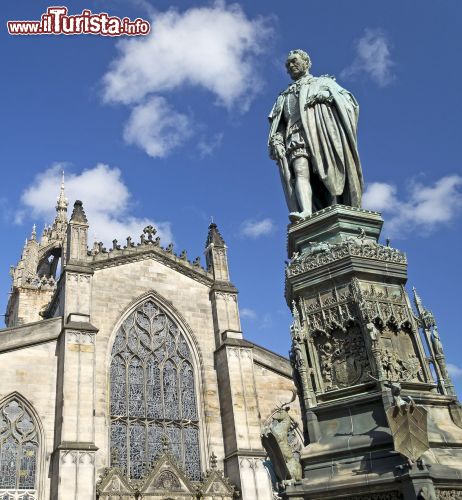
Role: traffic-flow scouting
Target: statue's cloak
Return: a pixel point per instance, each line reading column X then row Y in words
column 331, row 134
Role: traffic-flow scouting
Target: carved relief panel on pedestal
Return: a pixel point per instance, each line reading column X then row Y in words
column 396, row 346
column 359, row 331
column 342, row 357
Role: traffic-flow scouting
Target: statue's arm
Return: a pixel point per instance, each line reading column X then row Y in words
column 276, row 143
column 277, row 148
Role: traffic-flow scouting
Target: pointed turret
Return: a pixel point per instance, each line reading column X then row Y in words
column 77, row 234
column 215, row 254
column 214, row 237
column 57, row 231
column 223, row 294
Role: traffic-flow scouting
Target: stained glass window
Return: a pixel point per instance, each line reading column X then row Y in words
column 152, row 394
column 18, row 452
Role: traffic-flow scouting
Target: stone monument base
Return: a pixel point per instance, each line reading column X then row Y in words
column 358, row 350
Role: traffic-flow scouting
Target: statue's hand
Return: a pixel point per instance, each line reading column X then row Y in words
column 279, row 152
column 277, row 148
column 323, row 97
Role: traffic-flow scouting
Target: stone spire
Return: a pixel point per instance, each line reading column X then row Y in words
column 214, row 237
column 61, row 207
column 77, row 234
column 78, row 214
column 215, row 254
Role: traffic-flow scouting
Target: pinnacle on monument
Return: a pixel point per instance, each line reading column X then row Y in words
column 417, row 299
column 61, row 206
column 78, row 214
column 214, row 237
column 33, row 235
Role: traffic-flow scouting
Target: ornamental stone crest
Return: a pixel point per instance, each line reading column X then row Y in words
column 342, row 357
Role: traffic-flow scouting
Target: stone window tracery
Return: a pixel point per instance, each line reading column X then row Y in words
column 152, row 394
column 19, row 445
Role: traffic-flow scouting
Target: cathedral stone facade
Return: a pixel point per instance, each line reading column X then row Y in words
column 125, row 373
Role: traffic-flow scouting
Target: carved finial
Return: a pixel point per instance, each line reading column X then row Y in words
column 62, row 200
column 130, row 244
column 294, row 308
column 296, row 327
column 78, row 214
column 95, row 249
column 388, row 242
column 169, row 248
column 197, row 262
column 165, row 443
column 183, row 255
column 33, row 235
column 115, row 246
column 150, row 231
column 213, row 461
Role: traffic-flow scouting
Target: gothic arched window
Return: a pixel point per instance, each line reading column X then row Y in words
column 19, row 444
column 153, row 394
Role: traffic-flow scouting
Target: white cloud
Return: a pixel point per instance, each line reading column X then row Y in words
column 373, row 58
column 454, row 370
column 208, row 145
column 380, row 196
column 213, row 48
column 256, row 228
column 156, row 127
column 105, row 197
column 262, row 322
column 426, row 208
column 210, row 47
column 247, row 313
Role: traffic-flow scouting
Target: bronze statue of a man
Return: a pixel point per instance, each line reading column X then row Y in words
column 313, row 138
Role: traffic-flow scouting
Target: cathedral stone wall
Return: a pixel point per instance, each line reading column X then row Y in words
column 114, row 291
column 102, row 399
column 274, row 383
column 29, row 374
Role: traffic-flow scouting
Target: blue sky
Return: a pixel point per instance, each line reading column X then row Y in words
column 209, row 73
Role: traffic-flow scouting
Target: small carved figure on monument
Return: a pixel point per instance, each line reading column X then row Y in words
column 280, row 448
column 408, row 425
column 436, row 341
column 373, row 332
column 313, row 138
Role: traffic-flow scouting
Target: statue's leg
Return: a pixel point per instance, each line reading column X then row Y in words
column 288, row 190
column 302, row 185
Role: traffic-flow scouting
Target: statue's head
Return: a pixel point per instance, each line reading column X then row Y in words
column 298, row 63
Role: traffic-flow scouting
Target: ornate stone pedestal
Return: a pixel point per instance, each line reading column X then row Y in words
column 355, row 337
